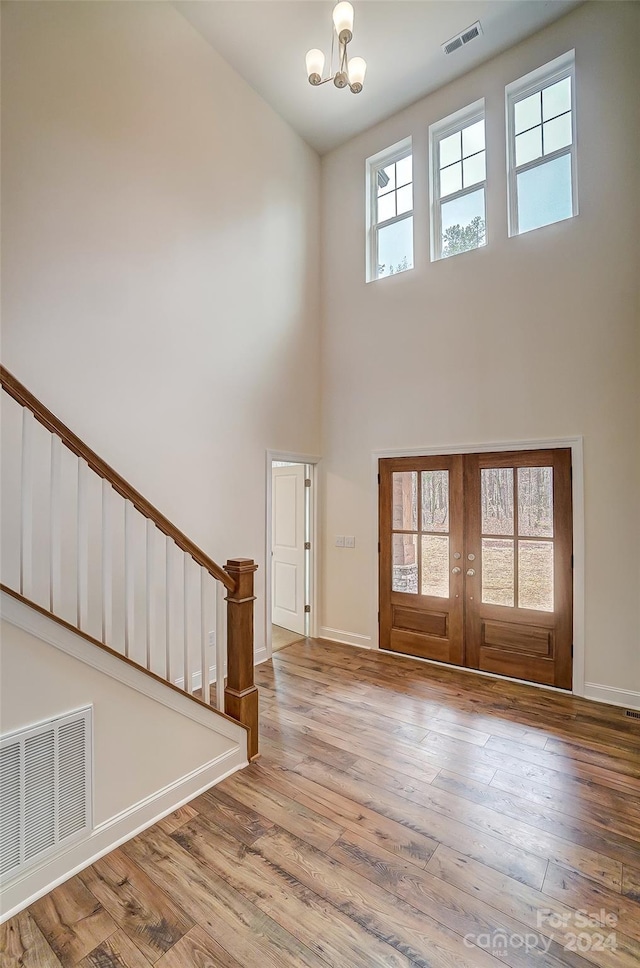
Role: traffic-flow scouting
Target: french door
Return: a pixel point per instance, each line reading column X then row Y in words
column 476, row 561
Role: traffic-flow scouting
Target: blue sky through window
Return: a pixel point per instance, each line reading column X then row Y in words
column 544, row 194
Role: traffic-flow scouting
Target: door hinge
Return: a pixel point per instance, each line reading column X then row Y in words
column 307, row 608
column 572, row 650
column 379, row 549
column 307, row 546
column 572, row 561
column 378, row 616
column 307, row 482
column 378, row 480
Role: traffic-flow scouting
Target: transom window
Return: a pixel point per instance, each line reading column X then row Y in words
column 390, row 211
column 458, row 182
column 541, row 146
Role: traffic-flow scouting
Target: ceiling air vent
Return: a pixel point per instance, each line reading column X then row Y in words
column 45, row 789
column 465, row 37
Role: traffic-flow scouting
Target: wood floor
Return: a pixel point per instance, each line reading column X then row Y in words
column 281, row 638
column 401, row 814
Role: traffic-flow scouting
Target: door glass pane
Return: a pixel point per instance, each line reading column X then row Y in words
column 535, row 502
column 435, row 500
column 544, row 194
column 405, row 501
column 535, row 575
column 496, row 495
column 395, row 247
column 435, row 565
column 497, row 572
column 405, row 563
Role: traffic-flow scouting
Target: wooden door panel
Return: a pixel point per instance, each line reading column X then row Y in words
column 421, row 601
column 528, row 639
column 487, row 585
column 425, row 647
column 526, row 643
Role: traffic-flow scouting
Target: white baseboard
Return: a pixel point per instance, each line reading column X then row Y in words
column 196, row 677
column 115, row 831
column 611, row 695
column 346, row 638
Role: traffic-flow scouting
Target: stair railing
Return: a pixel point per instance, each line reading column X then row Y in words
column 84, row 545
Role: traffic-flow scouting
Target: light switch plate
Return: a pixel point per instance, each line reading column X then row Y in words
column 339, row 541
column 349, row 541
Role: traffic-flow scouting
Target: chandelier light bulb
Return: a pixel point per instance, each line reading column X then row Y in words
column 348, row 73
column 343, row 21
column 315, row 66
column 357, row 70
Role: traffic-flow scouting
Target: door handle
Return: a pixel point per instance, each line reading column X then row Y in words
column 471, row 572
column 456, row 570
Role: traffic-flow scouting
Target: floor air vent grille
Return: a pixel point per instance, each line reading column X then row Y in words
column 633, row 713
column 45, row 789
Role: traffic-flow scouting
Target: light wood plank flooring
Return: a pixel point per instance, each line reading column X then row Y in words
column 281, row 638
column 401, row 814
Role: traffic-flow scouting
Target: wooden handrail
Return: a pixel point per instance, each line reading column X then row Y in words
column 44, row 416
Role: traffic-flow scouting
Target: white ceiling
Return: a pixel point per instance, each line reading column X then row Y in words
column 266, row 42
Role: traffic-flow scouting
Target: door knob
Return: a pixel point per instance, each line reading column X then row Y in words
column 471, row 572
column 456, row 570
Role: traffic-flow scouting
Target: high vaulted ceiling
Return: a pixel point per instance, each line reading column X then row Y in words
column 266, row 42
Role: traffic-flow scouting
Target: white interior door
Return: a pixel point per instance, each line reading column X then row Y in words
column 287, row 563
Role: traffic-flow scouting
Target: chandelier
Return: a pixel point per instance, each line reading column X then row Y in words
column 350, row 72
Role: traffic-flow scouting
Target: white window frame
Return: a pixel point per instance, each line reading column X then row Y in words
column 556, row 70
column 437, row 133
column 402, row 149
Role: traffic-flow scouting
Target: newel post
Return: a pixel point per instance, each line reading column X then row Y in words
column 241, row 695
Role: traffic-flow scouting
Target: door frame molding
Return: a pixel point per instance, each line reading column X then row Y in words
column 313, row 460
column 576, row 444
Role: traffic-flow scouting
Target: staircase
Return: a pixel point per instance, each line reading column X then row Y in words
column 83, row 547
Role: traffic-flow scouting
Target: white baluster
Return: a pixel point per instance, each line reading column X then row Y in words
column 55, row 523
column 107, row 567
column 150, row 581
column 187, row 657
column 204, row 651
column 129, row 588
column 167, row 618
column 221, row 644
column 26, row 507
column 82, row 559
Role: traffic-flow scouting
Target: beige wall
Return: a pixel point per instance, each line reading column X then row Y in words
column 148, row 757
column 533, row 337
column 139, row 745
column 160, row 262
